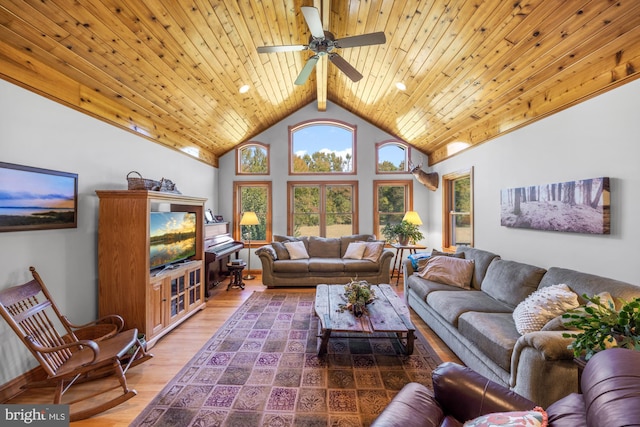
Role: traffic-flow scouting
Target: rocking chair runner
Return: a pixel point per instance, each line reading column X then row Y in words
column 68, row 360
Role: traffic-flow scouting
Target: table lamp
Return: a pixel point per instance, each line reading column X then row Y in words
column 412, row 217
column 250, row 219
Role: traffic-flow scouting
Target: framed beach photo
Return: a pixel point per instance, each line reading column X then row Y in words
column 37, row 199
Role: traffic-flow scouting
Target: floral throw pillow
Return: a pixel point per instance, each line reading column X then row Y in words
column 537, row 417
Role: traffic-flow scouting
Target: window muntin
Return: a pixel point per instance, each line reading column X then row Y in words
column 252, row 158
column 458, row 209
column 322, row 147
column 392, row 199
column 252, row 197
column 392, row 157
column 325, row 209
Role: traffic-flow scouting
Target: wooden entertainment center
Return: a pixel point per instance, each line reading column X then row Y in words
column 153, row 302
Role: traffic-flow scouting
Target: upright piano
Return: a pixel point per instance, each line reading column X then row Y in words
column 218, row 248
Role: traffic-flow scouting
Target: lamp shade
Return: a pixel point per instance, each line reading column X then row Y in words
column 412, row 217
column 249, row 218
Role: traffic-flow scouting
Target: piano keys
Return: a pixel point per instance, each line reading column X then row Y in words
column 219, row 246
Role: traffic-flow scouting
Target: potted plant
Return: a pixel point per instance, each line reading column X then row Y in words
column 404, row 232
column 601, row 326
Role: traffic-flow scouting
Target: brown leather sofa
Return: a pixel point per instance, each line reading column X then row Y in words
column 610, row 397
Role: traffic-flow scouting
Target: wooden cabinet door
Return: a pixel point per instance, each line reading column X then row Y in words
column 158, row 306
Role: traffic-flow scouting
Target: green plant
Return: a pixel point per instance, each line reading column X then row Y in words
column 601, row 326
column 402, row 231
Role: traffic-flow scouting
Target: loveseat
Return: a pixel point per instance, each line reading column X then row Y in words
column 477, row 322
column 610, row 397
column 319, row 260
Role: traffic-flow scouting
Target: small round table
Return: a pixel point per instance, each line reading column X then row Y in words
column 235, row 275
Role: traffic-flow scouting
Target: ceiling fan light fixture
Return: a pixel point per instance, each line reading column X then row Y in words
column 401, row 86
column 244, row 88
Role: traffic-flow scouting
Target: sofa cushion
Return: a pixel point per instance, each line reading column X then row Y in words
column 296, row 250
column 510, row 281
column 537, row 309
column 291, row 266
column 359, row 266
column 345, row 240
column 355, row 250
column 423, row 287
column 284, row 239
column 328, row 265
column 373, row 250
column 451, row 304
column 280, row 250
column 482, row 260
column 570, row 411
column 448, row 270
column 494, row 334
column 324, row 247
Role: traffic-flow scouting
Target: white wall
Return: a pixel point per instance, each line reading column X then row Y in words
column 596, row 138
column 277, row 137
column 35, row 131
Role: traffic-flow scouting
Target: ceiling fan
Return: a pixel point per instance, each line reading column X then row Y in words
column 324, row 43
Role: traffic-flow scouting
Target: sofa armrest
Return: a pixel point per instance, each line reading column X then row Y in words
column 267, row 257
column 414, row 405
column 465, row 394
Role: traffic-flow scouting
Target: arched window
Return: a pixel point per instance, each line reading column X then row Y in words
column 322, row 147
column 392, row 157
column 252, row 158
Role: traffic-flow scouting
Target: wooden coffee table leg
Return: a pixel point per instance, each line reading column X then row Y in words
column 410, row 338
column 325, row 332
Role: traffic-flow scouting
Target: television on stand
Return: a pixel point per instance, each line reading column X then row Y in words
column 172, row 238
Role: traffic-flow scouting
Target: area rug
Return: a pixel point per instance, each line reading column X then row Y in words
column 261, row 368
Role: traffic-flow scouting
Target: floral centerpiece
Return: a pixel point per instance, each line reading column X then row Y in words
column 358, row 294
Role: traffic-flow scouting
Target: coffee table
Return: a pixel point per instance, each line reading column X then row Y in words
column 387, row 313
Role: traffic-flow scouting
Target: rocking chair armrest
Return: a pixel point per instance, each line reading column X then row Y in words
column 86, row 343
column 110, row 318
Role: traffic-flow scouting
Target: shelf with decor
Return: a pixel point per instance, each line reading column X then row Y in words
column 149, row 273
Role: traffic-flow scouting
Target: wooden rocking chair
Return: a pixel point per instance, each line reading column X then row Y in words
column 65, row 351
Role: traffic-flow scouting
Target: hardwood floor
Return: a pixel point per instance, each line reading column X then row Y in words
column 178, row 347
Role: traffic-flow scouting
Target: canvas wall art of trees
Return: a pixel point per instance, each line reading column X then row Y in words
column 575, row 206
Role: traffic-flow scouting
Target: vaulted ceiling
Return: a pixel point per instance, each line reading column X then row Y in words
column 171, row 70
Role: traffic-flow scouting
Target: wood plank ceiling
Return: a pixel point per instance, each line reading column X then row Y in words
column 171, row 70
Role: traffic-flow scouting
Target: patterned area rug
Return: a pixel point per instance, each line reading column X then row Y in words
column 262, row 369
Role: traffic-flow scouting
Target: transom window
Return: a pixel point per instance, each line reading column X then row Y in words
column 392, row 157
column 458, row 209
column 322, row 147
column 252, row 158
column 391, row 199
column 325, row 209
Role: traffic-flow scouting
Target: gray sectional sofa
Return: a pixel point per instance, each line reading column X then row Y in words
column 326, row 262
column 478, row 324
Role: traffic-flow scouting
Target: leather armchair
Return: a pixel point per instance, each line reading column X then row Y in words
column 610, row 384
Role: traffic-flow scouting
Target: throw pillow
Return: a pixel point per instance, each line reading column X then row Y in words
column 281, row 251
column 416, row 258
column 559, row 323
column 543, row 305
column 450, row 271
column 296, row 250
column 355, row 250
column 453, row 254
column 537, row 417
column 373, row 251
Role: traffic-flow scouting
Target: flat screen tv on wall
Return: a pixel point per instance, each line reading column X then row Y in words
column 172, row 238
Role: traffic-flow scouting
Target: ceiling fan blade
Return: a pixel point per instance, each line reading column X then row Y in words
column 306, row 70
column 286, row 48
column 345, row 67
column 312, row 16
column 362, row 40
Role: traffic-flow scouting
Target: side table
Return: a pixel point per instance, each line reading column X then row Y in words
column 235, row 275
column 397, row 264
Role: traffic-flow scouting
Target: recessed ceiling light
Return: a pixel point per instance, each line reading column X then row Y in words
column 244, row 89
column 401, row 86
